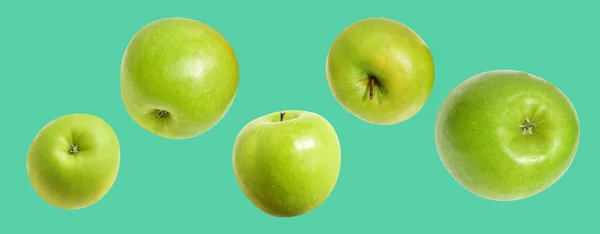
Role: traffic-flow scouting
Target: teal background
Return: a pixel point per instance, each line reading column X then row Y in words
column 60, row 57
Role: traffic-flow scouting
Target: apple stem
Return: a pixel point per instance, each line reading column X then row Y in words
column 73, row 149
column 281, row 115
column 371, row 87
column 527, row 127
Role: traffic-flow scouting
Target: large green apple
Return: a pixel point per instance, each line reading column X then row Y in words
column 178, row 77
column 506, row 135
column 287, row 163
column 73, row 161
column 380, row 71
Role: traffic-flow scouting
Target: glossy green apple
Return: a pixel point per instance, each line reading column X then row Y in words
column 506, row 135
column 287, row 163
column 380, row 71
column 73, row 161
column 178, row 77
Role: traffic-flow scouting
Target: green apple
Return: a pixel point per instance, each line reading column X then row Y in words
column 287, row 163
column 380, row 71
column 73, row 161
column 178, row 77
column 506, row 135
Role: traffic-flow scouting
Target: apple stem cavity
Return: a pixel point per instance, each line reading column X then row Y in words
column 527, row 127
column 281, row 116
column 73, row 149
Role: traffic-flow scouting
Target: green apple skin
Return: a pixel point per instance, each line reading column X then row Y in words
column 69, row 178
column 179, row 77
column 393, row 57
column 287, row 168
column 483, row 140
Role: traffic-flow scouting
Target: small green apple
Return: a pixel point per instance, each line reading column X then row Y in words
column 73, row 161
column 506, row 135
column 287, row 163
column 178, row 77
column 380, row 71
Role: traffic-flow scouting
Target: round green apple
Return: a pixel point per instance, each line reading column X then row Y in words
column 178, row 77
column 73, row 161
column 506, row 135
column 287, row 163
column 380, row 71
